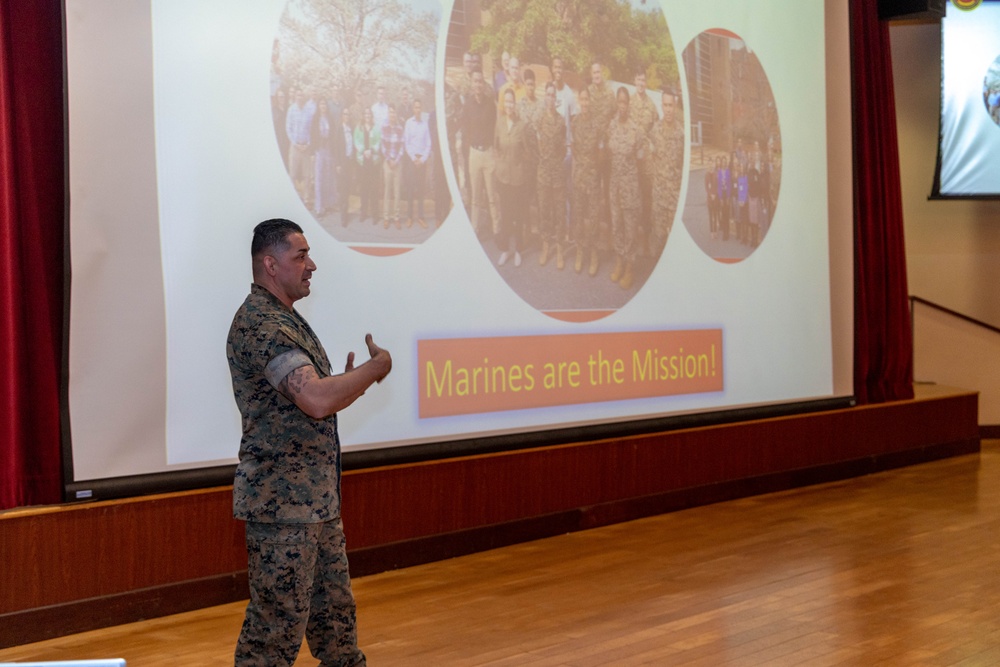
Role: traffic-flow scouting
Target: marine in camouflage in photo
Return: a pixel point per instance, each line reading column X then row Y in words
column 667, row 161
column 551, row 129
column 588, row 135
column 624, row 140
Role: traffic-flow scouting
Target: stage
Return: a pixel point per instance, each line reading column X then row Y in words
column 73, row 568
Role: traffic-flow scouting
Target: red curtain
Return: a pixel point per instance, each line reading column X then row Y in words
column 32, row 196
column 883, row 344
column 32, row 200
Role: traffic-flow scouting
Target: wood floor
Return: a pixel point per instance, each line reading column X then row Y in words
column 898, row 568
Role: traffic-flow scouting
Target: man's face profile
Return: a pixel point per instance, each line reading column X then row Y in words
column 291, row 268
column 668, row 107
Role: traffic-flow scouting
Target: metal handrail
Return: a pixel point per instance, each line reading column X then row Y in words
column 949, row 311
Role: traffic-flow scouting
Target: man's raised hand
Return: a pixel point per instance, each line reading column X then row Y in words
column 379, row 356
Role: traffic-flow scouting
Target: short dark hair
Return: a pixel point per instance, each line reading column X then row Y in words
column 674, row 93
column 272, row 233
column 529, row 74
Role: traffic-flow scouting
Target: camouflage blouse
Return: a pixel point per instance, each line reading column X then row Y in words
column 602, row 103
column 643, row 111
column 668, row 161
column 588, row 135
column 625, row 138
column 551, row 128
column 289, row 469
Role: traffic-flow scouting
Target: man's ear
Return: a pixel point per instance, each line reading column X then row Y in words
column 269, row 265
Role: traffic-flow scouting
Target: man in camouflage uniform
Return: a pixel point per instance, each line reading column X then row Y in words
column 287, row 484
column 644, row 112
column 551, row 130
column 602, row 98
column 602, row 105
column 567, row 107
column 625, row 141
column 588, row 135
column 530, row 109
column 667, row 138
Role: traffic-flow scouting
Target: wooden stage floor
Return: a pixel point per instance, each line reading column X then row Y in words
column 895, row 568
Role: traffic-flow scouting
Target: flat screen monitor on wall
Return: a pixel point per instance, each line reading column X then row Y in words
column 699, row 236
column 970, row 102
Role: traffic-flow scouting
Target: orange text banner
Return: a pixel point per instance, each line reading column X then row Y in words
column 460, row 376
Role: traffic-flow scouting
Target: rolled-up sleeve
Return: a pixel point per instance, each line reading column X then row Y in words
column 283, row 364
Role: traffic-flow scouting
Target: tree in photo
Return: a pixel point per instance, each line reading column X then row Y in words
column 612, row 32
column 353, row 42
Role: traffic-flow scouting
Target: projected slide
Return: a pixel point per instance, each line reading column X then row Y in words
column 970, row 101
column 552, row 214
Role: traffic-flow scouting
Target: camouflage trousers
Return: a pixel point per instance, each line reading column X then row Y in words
column 299, row 585
column 664, row 209
column 586, row 206
column 552, row 212
column 625, row 214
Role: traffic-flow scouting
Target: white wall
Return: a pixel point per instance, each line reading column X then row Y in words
column 952, row 247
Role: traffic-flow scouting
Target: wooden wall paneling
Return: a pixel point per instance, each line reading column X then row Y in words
column 72, row 568
column 90, row 551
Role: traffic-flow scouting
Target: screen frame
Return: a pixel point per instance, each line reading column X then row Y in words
column 220, row 475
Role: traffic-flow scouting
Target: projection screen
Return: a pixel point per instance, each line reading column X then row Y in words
column 699, row 236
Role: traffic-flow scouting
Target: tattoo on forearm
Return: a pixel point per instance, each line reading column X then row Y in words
column 297, row 380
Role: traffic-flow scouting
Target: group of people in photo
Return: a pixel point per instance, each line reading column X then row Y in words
column 365, row 158
column 740, row 194
column 991, row 96
column 579, row 174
